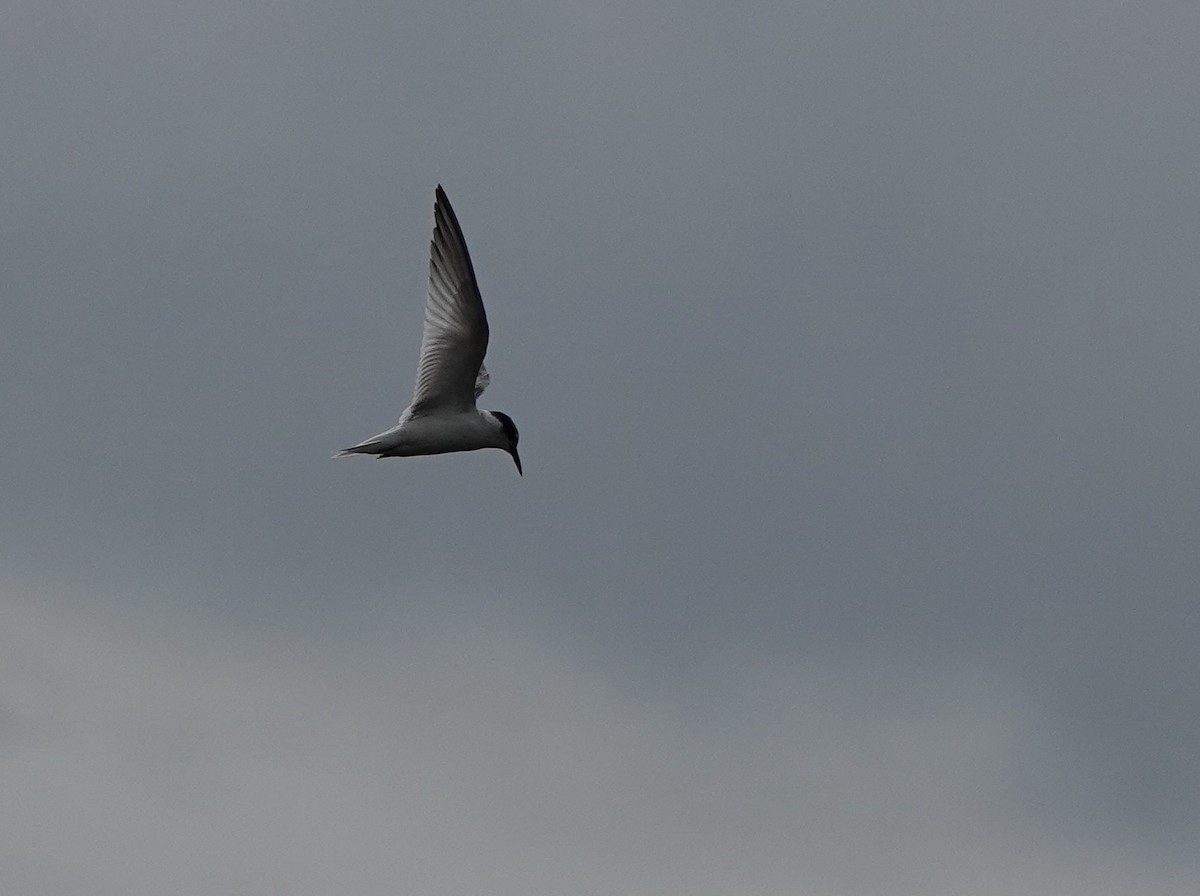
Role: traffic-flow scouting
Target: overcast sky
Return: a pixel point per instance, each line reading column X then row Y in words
column 853, row 347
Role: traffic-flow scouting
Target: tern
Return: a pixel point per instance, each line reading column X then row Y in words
column 450, row 373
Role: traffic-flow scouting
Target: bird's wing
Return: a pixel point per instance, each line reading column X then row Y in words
column 450, row 374
column 481, row 381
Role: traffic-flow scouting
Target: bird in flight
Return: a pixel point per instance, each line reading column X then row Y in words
column 450, row 375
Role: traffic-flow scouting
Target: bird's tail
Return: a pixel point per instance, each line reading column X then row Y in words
column 364, row 448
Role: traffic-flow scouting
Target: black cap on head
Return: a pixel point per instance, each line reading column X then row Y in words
column 510, row 428
column 510, row 432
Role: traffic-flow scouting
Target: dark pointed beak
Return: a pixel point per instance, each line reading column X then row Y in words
column 516, row 460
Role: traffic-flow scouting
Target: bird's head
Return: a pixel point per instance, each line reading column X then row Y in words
column 511, row 437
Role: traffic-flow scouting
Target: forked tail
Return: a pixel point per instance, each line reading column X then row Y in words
column 365, row 448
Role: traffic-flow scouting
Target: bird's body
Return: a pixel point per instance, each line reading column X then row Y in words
column 450, row 375
column 436, row 434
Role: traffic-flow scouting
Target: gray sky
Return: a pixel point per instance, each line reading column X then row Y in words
column 853, row 348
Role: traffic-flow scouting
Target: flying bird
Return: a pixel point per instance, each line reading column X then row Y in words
column 450, row 374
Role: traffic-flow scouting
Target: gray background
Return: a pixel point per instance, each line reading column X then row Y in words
column 853, row 348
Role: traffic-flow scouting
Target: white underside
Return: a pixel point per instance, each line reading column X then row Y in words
column 436, row 434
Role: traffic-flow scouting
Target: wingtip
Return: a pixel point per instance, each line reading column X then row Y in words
column 441, row 206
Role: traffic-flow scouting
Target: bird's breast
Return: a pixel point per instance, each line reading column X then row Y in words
column 441, row 433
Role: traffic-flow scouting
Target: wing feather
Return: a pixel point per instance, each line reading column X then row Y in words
column 450, row 373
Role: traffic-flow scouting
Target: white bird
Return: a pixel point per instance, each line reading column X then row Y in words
column 450, row 374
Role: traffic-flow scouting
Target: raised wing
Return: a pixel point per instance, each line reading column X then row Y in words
column 450, row 374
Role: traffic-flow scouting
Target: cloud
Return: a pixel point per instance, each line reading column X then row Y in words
column 148, row 749
column 853, row 351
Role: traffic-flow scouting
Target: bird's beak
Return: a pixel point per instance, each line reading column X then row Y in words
column 516, row 460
